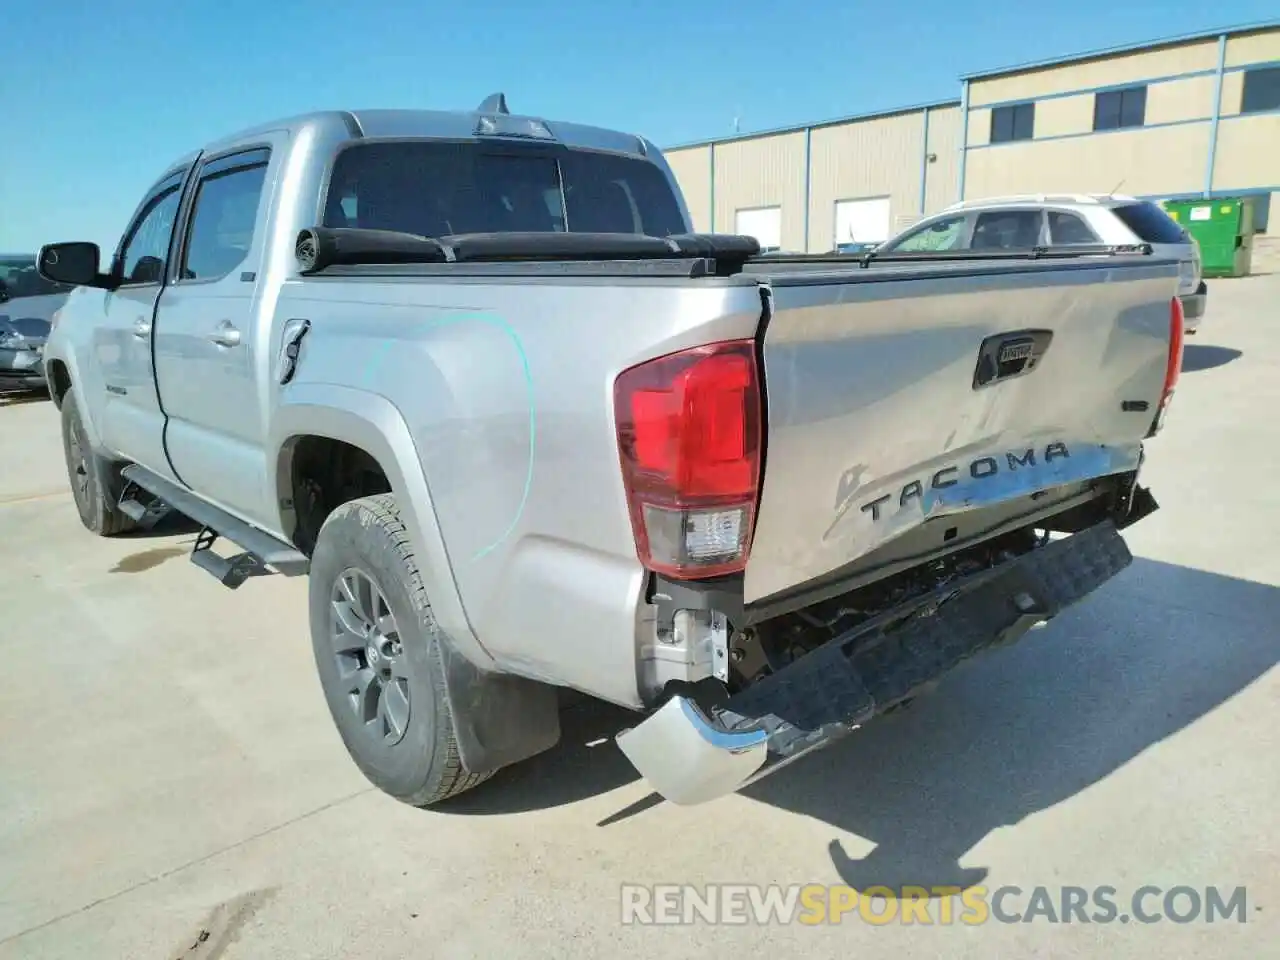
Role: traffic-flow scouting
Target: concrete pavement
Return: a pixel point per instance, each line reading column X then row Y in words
column 171, row 784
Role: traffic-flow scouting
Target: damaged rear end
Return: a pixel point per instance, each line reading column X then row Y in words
column 906, row 467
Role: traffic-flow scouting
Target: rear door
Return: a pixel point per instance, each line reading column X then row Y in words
column 898, row 396
column 207, row 343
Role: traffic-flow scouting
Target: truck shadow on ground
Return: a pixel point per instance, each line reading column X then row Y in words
column 1197, row 357
column 1003, row 737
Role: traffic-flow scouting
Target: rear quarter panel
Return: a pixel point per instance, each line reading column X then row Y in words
column 506, row 389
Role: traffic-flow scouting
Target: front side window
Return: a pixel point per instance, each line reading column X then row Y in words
column 1016, row 121
column 439, row 188
column 944, row 234
column 145, row 253
column 1007, row 230
column 222, row 221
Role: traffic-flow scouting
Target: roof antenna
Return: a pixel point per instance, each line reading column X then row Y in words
column 494, row 103
column 1117, row 186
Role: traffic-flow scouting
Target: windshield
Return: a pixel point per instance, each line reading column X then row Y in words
column 437, row 188
column 20, row 279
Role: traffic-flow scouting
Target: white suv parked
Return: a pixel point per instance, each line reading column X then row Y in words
column 1022, row 222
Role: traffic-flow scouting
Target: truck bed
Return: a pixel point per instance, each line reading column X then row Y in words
column 879, row 450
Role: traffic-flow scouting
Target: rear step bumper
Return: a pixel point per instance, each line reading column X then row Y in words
column 690, row 755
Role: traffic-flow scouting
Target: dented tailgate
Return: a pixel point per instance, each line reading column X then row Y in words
column 899, row 395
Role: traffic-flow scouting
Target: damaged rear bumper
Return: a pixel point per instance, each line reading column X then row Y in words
column 691, row 754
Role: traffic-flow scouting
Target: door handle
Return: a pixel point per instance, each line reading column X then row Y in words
column 225, row 335
column 142, row 328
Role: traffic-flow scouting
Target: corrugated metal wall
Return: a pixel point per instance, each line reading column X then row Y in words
column 763, row 171
column 885, row 155
column 692, row 170
column 944, row 144
column 882, row 156
column 855, row 161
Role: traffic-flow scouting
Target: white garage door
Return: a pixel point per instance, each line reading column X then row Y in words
column 862, row 221
column 763, row 223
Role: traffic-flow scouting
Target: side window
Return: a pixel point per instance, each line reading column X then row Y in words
column 1007, row 230
column 220, row 229
column 1067, row 228
column 944, row 234
column 145, row 253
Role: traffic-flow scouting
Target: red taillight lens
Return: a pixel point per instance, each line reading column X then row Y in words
column 1177, row 328
column 689, row 435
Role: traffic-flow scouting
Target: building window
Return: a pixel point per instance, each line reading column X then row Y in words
column 1117, row 109
column 1014, row 122
column 1261, row 90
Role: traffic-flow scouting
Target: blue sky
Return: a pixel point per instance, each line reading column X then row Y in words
column 99, row 97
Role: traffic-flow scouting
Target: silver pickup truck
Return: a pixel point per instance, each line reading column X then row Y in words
column 475, row 375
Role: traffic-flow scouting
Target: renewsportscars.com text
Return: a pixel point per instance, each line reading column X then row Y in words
column 816, row 904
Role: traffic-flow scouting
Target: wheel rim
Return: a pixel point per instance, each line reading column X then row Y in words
column 78, row 463
column 370, row 658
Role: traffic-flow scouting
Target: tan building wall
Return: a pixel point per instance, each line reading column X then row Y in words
column 882, row 156
column 1262, row 46
column 855, row 161
column 1164, row 160
column 942, row 181
column 1104, row 72
column 692, row 170
column 1248, row 155
column 765, row 171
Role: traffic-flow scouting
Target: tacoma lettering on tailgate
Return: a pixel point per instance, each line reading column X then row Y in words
column 983, row 468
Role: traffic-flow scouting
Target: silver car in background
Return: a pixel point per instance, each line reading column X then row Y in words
column 27, row 305
column 1055, row 220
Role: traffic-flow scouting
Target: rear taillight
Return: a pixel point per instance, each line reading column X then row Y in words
column 689, row 435
column 1173, row 366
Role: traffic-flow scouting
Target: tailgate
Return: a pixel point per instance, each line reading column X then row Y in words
column 900, row 396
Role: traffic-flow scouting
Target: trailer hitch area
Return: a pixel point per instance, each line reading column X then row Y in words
column 688, row 757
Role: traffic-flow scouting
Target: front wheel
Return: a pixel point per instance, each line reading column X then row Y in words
column 378, row 654
column 90, row 477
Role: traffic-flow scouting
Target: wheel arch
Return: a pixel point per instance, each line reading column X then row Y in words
column 372, row 424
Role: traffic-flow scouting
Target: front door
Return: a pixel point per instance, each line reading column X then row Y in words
column 207, row 352
column 132, row 424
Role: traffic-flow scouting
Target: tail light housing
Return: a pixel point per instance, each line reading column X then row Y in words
column 1173, row 367
column 689, row 436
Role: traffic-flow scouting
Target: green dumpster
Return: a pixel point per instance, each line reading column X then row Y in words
column 1224, row 230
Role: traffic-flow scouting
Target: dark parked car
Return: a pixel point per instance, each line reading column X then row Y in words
column 27, row 305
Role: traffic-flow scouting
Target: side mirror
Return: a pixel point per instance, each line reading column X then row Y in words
column 74, row 263
column 4, row 292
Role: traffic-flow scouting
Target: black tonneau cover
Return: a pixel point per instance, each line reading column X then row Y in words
column 351, row 250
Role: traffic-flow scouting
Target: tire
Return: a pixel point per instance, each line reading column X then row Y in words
column 91, row 477
column 388, row 699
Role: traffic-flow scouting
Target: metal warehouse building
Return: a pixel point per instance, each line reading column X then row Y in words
column 1185, row 117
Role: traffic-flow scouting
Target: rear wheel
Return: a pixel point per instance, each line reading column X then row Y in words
column 91, row 477
column 379, row 655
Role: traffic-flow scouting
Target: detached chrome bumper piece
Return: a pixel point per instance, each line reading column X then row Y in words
column 690, row 756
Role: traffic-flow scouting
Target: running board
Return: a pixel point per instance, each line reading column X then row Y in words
column 262, row 554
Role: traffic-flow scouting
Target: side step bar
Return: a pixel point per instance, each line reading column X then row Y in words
column 262, row 552
column 691, row 754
